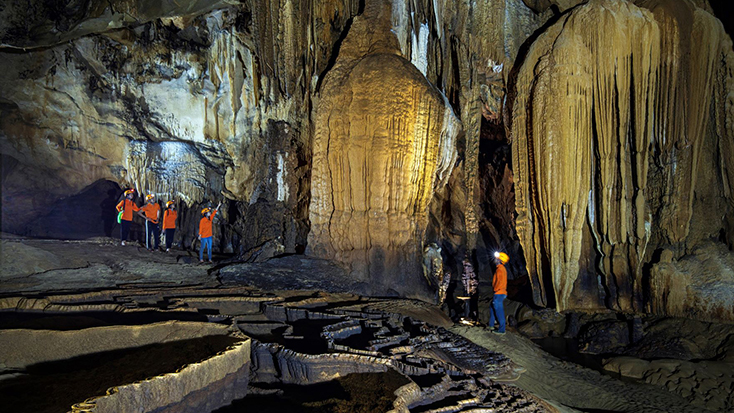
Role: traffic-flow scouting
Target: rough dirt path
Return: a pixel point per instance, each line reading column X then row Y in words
column 571, row 387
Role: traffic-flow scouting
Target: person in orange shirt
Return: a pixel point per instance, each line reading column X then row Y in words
column 169, row 223
column 126, row 206
column 205, row 231
column 151, row 212
column 499, row 284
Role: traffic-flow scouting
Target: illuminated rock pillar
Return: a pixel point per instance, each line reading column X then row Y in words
column 384, row 141
column 612, row 114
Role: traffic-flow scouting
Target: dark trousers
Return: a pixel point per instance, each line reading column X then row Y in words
column 155, row 231
column 469, row 306
column 169, row 237
column 125, row 229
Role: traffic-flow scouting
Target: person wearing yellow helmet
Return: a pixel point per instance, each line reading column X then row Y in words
column 169, row 223
column 151, row 212
column 499, row 285
column 126, row 208
column 205, row 231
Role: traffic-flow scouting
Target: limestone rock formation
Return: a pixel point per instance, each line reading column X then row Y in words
column 384, row 142
column 617, row 110
column 179, row 99
column 701, row 284
column 620, row 116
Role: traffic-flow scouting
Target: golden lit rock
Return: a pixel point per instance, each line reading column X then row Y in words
column 611, row 115
column 384, row 141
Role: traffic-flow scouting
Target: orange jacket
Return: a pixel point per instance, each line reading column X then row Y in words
column 169, row 219
column 205, row 225
column 127, row 206
column 500, row 280
column 151, row 211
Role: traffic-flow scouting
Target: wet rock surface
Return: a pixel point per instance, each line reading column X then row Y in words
column 302, row 336
column 689, row 358
column 56, row 386
column 309, row 335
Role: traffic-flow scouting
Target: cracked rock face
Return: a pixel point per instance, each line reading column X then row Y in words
column 384, row 143
column 204, row 101
column 361, row 132
column 610, row 140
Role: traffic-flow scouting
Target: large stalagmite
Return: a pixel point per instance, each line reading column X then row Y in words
column 384, row 141
column 612, row 117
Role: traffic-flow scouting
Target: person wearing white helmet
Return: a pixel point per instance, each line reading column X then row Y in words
column 499, row 285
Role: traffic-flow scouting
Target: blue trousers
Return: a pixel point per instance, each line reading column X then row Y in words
column 497, row 311
column 205, row 242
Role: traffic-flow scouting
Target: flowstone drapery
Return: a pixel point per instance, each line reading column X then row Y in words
column 610, row 126
column 384, row 141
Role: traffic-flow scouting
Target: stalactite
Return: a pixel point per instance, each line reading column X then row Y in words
column 602, row 87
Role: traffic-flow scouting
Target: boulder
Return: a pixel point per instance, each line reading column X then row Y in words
column 604, row 337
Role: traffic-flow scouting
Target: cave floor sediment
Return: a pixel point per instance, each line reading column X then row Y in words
column 34, row 268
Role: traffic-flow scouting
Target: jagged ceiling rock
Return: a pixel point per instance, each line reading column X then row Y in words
column 611, row 124
column 191, row 105
column 384, row 142
column 39, row 23
column 203, row 101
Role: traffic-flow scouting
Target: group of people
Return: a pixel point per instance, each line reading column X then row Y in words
column 499, row 286
column 151, row 213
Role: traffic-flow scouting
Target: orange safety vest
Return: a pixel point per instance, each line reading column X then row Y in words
column 205, row 225
column 151, row 211
column 499, row 284
column 127, row 207
column 169, row 219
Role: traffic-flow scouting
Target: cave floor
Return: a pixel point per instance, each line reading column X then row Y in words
column 571, row 387
column 34, row 269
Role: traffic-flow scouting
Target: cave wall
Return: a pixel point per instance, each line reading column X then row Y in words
column 584, row 137
column 617, row 135
column 203, row 102
column 200, row 103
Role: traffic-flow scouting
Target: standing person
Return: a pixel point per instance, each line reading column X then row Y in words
column 169, row 223
column 126, row 206
column 499, row 285
column 151, row 212
column 469, row 279
column 205, row 231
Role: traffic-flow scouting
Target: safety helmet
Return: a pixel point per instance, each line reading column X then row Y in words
column 504, row 258
column 169, row 203
column 149, row 196
column 205, row 210
column 130, row 191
